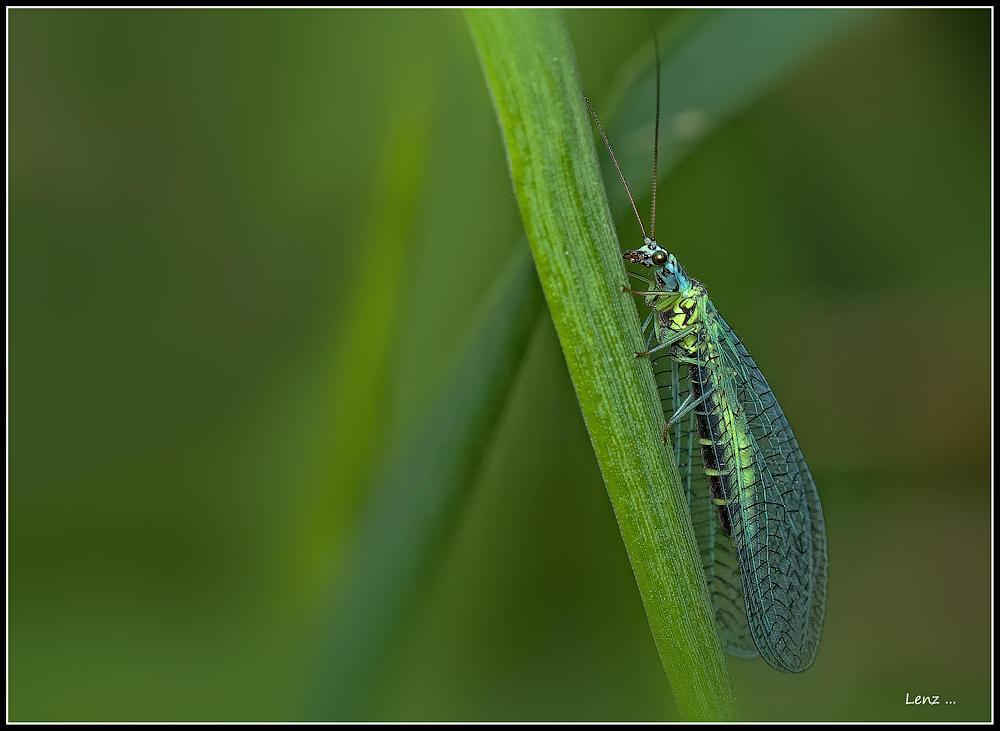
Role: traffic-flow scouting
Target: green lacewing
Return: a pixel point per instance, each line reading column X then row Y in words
column 754, row 505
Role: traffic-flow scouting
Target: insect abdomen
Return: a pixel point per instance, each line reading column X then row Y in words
column 724, row 447
column 710, row 437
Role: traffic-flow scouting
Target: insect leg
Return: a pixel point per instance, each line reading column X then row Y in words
column 679, row 335
column 689, row 361
column 675, row 390
column 649, row 319
column 689, row 403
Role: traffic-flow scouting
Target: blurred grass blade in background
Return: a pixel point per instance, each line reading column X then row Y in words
column 715, row 64
column 358, row 399
column 414, row 497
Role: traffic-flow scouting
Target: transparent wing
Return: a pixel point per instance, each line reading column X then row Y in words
column 777, row 520
column 718, row 557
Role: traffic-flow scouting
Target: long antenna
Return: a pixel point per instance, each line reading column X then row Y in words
column 656, row 136
column 615, row 160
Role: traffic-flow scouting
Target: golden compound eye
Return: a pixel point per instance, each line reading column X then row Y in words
column 659, row 258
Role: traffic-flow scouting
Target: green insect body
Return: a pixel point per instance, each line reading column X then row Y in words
column 754, row 504
column 755, row 509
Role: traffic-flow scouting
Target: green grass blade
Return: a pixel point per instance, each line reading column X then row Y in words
column 414, row 499
column 531, row 71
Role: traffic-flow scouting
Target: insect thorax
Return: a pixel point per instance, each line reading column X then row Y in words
column 681, row 311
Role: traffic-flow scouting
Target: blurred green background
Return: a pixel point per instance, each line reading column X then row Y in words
column 198, row 201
